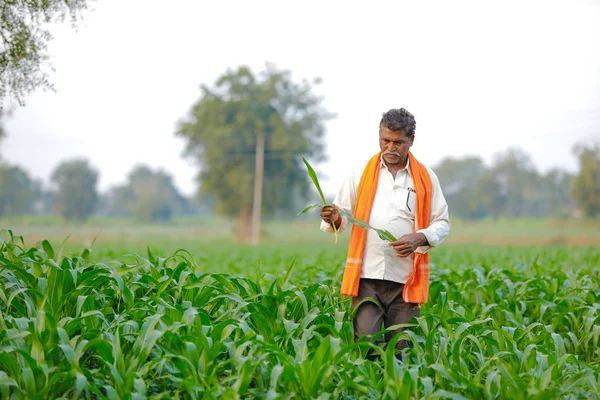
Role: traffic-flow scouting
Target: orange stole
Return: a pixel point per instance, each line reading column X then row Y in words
column 416, row 289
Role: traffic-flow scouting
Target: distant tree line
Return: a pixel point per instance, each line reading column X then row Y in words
column 509, row 187
column 248, row 133
column 147, row 196
column 512, row 187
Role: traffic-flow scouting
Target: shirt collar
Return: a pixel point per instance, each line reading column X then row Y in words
column 406, row 168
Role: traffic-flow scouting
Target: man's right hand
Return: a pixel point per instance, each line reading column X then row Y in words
column 330, row 215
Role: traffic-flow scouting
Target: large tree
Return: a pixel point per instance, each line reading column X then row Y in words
column 148, row 195
column 76, row 196
column 24, row 38
column 16, row 191
column 459, row 178
column 586, row 185
column 510, row 188
column 243, row 109
column 557, row 195
column 2, row 133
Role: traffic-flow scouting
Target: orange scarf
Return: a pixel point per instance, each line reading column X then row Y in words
column 417, row 285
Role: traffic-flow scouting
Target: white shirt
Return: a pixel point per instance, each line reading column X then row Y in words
column 393, row 209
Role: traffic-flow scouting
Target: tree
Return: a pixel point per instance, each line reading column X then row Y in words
column 116, row 202
column 513, row 181
column 24, row 41
column 459, row 177
column 16, row 191
column 150, row 196
column 76, row 197
column 557, row 188
column 586, row 185
column 244, row 112
column 2, row 132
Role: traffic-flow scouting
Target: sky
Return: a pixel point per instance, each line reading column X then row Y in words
column 480, row 77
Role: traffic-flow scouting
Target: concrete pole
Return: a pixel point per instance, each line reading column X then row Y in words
column 258, row 187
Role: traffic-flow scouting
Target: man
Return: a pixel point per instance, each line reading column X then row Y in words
column 395, row 192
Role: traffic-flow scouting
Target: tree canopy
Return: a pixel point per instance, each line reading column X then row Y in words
column 221, row 133
column 586, row 185
column 2, row 133
column 16, row 191
column 148, row 195
column 510, row 187
column 24, row 38
column 76, row 195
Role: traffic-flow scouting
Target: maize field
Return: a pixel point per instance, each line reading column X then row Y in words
column 513, row 323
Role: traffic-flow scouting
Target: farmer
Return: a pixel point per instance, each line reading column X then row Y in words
column 395, row 192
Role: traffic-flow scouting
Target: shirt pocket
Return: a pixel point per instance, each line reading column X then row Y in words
column 403, row 203
column 411, row 202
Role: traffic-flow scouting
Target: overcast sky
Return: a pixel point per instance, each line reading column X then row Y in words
column 479, row 77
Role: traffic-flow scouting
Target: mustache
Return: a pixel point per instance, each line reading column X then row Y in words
column 393, row 153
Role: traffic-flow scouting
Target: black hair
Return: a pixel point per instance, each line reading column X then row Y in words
column 398, row 119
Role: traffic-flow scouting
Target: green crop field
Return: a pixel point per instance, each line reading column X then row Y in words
column 123, row 314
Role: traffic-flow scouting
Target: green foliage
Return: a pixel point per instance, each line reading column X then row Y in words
column 586, row 185
column 315, row 180
column 76, row 196
column 2, row 132
column 24, row 38
column 460, row 179
column 221, row 133
column 150, row 196
column 509, row 323
column 510, row 187
column 16, row 191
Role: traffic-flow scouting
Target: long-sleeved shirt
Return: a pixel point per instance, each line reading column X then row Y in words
column 393, row 209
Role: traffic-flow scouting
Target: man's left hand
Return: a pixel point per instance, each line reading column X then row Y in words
column 407, row 244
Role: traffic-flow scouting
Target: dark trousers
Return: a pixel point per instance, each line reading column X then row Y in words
column 389, row 310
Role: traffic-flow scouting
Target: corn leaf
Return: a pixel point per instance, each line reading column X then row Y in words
column 382, row 233
column 313, row 176
column 309, row 208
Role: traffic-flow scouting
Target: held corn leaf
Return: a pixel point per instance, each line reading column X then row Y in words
column 313, row 176
column 309, row 208
column 382, row 233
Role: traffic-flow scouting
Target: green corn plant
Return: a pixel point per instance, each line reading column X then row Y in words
column 382, row 233
column 499, row 325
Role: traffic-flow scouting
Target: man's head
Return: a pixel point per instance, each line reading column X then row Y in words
column 396, row 136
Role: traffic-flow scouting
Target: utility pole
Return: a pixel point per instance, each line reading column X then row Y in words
column 258, row 184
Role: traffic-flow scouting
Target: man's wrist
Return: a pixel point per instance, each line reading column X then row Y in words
column 423, row 239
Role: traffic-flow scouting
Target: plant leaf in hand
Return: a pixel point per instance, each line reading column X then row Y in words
column 382, row 233
column 313, row 176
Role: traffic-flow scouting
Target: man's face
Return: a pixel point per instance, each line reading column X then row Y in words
column 394, row 146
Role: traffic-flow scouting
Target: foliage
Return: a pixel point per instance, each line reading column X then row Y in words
column 510, row 187
column 16, row 191
column 221, row 132
column 24, row 38
column 148, row 195
column 461, row 179
column 76, row 196
column 2, row 132
column 499, row 325
column 586, row 185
